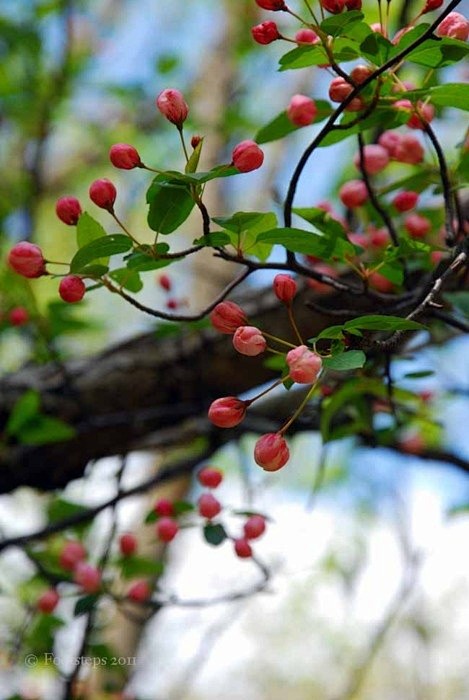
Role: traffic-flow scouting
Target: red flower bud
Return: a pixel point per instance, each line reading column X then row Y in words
column 48, row 601
column 333, row 6
column 271, row 452
column 242, row 548
column 164, row 507
column 247, row 156
column 18, row 316
column 404, row 201
column 360, row 73
column 72, row 289
column 432, row 5
column 418, row 226
column 304, row 365
column 353, row 193
column 127, row 544
column 302, row 110
column 103, row 194
column 227, row 411
column 254, row 527
column 408, row 150
column 139, row 591
column 227, row 316
column 248, row 340
column 195, row 140
column 209, row 477
column 26, row 259
column 165, row 282
column 265, row 33
column 124, row 156
column 68, row 209
column 390, row 140
column 173, row 106
column 285, row 288
column 274, row 5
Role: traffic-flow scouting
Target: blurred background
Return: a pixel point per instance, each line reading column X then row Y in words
column 369, row 594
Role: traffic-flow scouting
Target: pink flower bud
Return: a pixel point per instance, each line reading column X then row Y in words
column 139, row 591
column 274, row 5
column 18, row 316
column 380, row 283
column 285, row 288
column 353, row 193
column 227, row 316
column 375, row 158
column 48, row 601
column 127, row 544
column 418, row 226
column 304, row 365
column 302, row 110
column 68, row 209
column 209, row 506
column 409, row 150
column 248, row 340
column 124, row 156
column 27, row 260
column 404, row 201
column 333, row 6
column 173, row 106
column 455, row 26
column 227, row 411
column 390, row 140
column 379, row 237
column 87, row 576
column 164, row 507
column 103, row 194
column 306, row 36
column 271, row 452
column 72, row 289
column 165, row 283
column 210, row 477
column 265, row 33
column 72, row 552
column 166, row 529
column 432, row 5
column 247, row 156
column 195, row 140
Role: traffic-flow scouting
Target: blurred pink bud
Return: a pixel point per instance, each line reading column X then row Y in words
column 375, row 158
column 353, row 193
column 68, row 209
column 306, row 36
column 271, row 452
column 248, row 340
column 26, row 259
column 227, row 316
column 285, row 288
column 304, row 365
column 455, row 26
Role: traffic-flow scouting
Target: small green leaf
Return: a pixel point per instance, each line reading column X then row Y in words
column 85, row 604
column 193, row 162
column 419, row 375
column 88, row 229
column 59, row 509
column 142, row 262
column 214, row 534
column 100, row 248
column 135, row 567
column 352, row 359
column 25, row 409
column 383, row 323
column 43, row 430
column 170, row 202
column 333, row 332
column 182, row 507
column 338, row 24
column 307, row 242
column 127, row 278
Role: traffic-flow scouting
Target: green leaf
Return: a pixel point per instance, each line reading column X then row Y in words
column 142, row 262
column 244, row 228
column 60, row 508
column 25, row 409
column 333, row 332
column 352, row 359
column 376, row 48
column 193, row 162
column 437, row 53
column 213, row 240
column 40, row 634
column 345, row 398
column 182, row 507
column 338, row 24
column 170, row 204
column 94, row 270
column 100, row 248
column 419, row 375
column 88, row 229
column 306, row 56
column 307, row 242
column 127, row 278
column 85, row 604
column 214, row 534
column 383, row 323
column 459, row 300
column 44, row 430
column 135, row 567
column 281, row 126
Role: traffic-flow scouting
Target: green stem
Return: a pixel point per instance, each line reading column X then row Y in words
column 299, row 410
